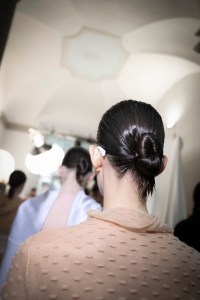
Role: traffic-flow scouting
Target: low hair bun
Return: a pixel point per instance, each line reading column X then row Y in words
column 82, row 166
column 149, row 155
column 132, row 133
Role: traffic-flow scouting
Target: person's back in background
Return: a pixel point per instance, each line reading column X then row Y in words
column 188, row 230
column 9, row 203
column 55, row 208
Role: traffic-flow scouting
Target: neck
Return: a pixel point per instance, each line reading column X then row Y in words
column 120, row 192
column 14, row 196
column 70, row 184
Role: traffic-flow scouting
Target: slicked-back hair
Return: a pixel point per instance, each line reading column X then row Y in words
column 132, row 134
column 16, row 179
column 78, row 158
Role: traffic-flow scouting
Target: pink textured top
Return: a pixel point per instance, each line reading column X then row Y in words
column 116, row 254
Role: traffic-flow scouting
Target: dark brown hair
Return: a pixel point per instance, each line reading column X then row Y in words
column 132, row 134
column 78, row 158
column 16, row 179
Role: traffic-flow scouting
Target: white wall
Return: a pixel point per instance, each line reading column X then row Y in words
column 1, row 132
column 183, row 98
column 168, row 201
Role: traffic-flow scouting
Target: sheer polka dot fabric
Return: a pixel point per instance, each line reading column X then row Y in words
column 100, row 259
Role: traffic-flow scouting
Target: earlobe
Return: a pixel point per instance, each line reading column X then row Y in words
column 96, row 158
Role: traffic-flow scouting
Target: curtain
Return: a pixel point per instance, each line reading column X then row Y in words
column 168, row 201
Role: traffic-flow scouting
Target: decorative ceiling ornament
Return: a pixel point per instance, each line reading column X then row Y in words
column 93, row 54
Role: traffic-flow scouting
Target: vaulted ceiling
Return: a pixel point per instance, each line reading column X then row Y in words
column 67, row 61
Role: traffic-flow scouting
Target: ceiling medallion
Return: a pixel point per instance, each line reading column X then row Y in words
column 93, row 55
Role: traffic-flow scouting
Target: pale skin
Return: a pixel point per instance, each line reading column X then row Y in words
column 63, row 203
column 117, row 192
column 68, row 180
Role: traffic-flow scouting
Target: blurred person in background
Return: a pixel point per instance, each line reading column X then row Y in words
column 188, row 230
column 9, row 203
column 10, row 200
column 32, row 193
column 67, row 206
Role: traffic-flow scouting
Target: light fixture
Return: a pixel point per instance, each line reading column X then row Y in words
column 173, row 114
column 36, row 137
column 44, row 162
column 41, row 149
column 171, row 124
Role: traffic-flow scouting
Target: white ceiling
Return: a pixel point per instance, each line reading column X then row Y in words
column 113, row 50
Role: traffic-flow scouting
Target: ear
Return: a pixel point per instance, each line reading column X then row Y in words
column 164, row 163
column 96, row 157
